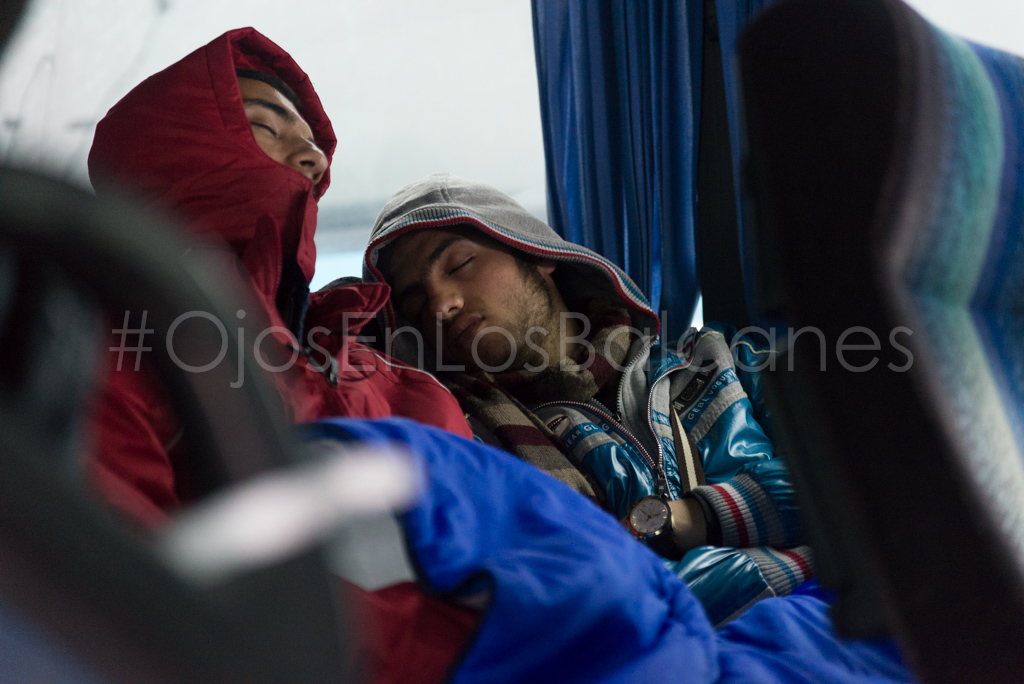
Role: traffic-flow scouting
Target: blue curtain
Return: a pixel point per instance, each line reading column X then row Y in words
column 733, row 17
column 620, row 106
column 620, row 85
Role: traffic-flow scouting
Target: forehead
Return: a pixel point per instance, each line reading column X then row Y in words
column 251, row 89
column 409, row 253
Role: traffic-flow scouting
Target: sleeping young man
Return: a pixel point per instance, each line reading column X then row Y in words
column 552, row 352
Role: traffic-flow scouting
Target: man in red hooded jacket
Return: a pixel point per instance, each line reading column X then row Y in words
column 244, row 161
column 246, row 175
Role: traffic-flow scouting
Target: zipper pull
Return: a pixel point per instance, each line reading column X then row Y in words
column 661, row 486
column 329, row 369
column 332, row 377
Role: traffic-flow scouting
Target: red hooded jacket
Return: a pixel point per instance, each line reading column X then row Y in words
column 183, row 140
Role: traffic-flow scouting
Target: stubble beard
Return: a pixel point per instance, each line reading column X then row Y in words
column 538, row 311
column 535, row 308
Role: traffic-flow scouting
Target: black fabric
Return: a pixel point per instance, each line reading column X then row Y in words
column 718, row 244
column 820, row 111
column 10, row 14
column 293, row 297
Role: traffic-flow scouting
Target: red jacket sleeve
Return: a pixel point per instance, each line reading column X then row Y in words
column 133, row 427
column 408, row 637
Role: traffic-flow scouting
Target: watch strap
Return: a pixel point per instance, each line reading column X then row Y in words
column 664, row 544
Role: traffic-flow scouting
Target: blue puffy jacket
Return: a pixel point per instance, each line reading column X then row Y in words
column 571, row 597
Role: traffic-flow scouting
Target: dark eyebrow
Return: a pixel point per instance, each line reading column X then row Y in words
column 277, row 109
column 432, row 259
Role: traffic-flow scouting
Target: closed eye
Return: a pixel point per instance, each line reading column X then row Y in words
column 266, row 127
column 460, row 265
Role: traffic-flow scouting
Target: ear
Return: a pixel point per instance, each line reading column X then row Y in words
column 546, row 267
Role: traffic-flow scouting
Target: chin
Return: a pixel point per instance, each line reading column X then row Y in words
column 492, row 358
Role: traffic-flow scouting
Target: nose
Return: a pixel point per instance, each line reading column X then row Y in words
column 308, row 160
column 446, row 302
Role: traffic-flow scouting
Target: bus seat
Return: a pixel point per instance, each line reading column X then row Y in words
column 75, row 575
column 884, row 165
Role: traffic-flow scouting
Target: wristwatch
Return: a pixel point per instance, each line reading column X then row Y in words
column 650, row 519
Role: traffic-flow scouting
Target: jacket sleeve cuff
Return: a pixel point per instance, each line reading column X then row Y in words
column 744, row 513
column 783, row 569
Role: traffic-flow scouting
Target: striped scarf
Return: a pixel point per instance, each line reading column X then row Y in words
column 498, row 401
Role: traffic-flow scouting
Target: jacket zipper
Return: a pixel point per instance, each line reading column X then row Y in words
column 662, row 479
column 663, row 489
column 655, row 466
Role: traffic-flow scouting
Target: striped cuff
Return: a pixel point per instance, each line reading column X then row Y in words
column 783, row 569
column 746, row 515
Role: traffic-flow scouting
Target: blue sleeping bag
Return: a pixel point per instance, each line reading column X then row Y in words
column 570, row 596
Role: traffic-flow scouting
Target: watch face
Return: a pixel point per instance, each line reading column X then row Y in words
column 648, row 515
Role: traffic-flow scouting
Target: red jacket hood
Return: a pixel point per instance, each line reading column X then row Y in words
column 182, row 138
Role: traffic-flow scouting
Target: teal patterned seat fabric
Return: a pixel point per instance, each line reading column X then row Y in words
column 884, row 163
column 961, row 265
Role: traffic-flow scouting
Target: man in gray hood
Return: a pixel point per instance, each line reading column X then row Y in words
column 552, row 352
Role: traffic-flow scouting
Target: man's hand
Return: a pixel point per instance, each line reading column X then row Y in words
column 689, row 527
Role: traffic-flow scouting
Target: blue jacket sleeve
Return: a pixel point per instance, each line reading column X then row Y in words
column 757, row 506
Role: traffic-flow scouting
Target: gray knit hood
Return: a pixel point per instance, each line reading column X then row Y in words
column 442, row 200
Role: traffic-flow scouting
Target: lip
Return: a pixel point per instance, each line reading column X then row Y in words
column 463, row 328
